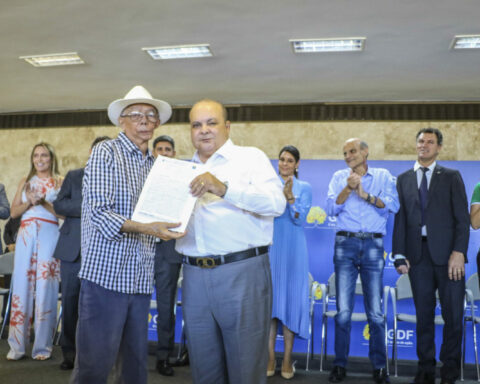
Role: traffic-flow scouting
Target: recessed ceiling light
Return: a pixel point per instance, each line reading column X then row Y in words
column 344, row 44
column 54, row 59
column 466, row 42
column 179, row 51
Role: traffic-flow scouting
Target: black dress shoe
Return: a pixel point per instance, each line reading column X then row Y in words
column 66, row 365
column 337, row 374
column 164, row 368
column 424, row 378
column 447, row 381
column 182, row 360
column 380, row 376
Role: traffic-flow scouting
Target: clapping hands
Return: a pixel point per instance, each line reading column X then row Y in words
column 34, row 197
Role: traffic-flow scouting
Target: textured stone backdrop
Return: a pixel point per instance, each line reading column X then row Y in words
column 315, row 140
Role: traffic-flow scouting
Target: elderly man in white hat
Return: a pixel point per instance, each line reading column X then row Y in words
column 118, row 253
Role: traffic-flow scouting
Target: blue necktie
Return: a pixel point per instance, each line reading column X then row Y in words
column 423, row 193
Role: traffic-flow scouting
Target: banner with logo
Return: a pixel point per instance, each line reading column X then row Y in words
column 320, row 232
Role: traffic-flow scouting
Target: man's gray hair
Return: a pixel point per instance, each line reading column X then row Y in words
column 363, row 144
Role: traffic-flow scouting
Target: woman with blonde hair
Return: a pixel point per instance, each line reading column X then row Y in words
column 36, row 272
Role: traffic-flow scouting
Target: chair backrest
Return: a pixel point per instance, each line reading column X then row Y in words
column 472, row 285
column 403, row 288
column 331, row 286
column 6, row 263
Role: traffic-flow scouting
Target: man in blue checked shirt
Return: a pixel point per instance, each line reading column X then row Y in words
column 118, row 253
column 362, row 198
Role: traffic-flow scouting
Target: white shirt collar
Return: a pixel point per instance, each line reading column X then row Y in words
column 225, row 151
column 431, row 167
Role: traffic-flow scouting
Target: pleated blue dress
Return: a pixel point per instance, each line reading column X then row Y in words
column 289, row 262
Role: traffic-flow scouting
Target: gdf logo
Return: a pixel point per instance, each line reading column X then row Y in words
column 152, row 319
column 318, row 292
column 366, row 332
column 316, row 215
column 402, row 334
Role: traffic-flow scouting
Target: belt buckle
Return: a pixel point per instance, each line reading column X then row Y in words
column 205, row 262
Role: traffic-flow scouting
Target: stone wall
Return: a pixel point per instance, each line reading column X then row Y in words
column 315, row 140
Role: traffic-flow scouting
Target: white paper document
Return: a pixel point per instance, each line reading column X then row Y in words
column 166, row 194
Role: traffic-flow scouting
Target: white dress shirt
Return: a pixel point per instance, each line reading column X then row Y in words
column 428, row 174
column 243, row 218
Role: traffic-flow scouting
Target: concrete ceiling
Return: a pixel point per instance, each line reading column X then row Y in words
column 406, row 57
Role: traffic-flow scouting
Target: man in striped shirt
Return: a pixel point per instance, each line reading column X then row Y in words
column 118, row 253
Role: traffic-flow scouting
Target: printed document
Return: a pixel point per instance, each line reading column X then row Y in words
column 166, row 194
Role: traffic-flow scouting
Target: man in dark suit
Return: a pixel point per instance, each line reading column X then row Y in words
column 69, row 204
column 4, row 208
column 430, row 243
column 4, row 214
column 167, row 270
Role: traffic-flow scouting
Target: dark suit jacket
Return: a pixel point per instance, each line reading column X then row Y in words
column 4, row 207
column 11, row 230
column 69, row 204
column 447, row 218
column 166, row 249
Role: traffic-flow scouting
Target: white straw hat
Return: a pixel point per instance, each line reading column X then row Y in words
column 138, row 95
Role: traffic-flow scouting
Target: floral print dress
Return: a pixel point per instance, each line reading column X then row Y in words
column 35, row 277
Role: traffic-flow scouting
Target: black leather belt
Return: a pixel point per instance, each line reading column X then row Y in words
column 360, row 235
column 213, row 261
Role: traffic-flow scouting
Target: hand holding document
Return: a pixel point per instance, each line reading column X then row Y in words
column 166, row 194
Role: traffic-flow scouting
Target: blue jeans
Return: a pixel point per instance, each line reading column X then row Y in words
column 353, row 255
column 112, row 330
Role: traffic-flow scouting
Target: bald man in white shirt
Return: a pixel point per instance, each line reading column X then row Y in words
column 227, row 293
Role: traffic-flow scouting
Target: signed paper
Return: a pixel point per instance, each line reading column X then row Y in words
column 166, row 194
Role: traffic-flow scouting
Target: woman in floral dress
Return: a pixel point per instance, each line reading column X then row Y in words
column 36, row 272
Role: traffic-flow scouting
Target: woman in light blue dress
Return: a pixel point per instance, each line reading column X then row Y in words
column 289, row 262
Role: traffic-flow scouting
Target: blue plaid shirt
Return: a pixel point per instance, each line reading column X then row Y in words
column 114, row 177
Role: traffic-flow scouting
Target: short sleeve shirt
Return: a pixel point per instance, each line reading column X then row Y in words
column 476, row 195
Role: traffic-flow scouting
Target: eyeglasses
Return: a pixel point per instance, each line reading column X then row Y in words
column 137, row 116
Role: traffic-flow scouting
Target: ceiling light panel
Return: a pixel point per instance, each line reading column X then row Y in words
column 54, row 59
column 466, row 42
column 344, row 44
column 179, row 52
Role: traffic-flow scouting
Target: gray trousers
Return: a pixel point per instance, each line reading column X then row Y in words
column 227, row 313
